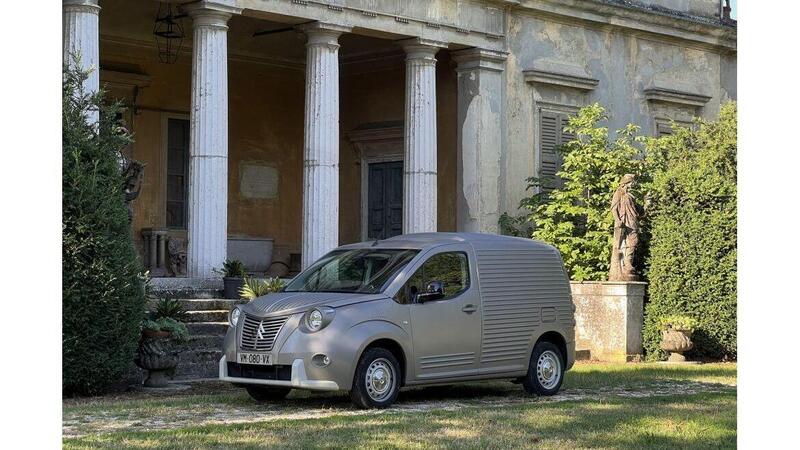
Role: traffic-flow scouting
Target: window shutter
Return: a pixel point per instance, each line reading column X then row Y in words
column 552, row 136
column 548, row 141
column 663, row 129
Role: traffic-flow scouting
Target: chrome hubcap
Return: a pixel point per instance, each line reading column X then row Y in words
column 548, row 369
column 380, row 379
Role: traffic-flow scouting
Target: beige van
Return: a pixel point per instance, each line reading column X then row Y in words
column 412, row 310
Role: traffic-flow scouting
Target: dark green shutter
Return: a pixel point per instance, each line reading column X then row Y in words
column 552, row 136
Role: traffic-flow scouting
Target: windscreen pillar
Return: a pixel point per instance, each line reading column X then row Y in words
column 480, row 138
column 419, row 162
column 208, row 144
column 320, row 233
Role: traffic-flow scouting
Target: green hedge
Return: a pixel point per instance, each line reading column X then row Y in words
column 103, row 289
column 692, row 210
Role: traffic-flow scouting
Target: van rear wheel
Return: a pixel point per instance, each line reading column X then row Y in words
column 263, row 394
column 377, row 379
column 545, row 370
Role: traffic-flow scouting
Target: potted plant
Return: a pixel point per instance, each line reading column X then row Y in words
column 160, row 345
column 254, row 288
column 676, row 336
column 233, row 274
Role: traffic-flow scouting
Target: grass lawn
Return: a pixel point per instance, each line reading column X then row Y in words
column 601, row 405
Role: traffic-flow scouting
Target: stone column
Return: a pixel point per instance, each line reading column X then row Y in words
column 419, row 179
column 208, row 143
column 481, row 140
column 81, row 37
column 321, row 148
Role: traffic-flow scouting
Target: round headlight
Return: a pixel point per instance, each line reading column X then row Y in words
column 234, row 317
column 314, row 320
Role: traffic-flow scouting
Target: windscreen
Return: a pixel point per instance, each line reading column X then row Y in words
column 363, row 271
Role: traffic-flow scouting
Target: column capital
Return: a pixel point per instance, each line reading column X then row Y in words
column 323, row 33
column 211, row 13
column 87, row 6
column 421, row 48
column 480, row 58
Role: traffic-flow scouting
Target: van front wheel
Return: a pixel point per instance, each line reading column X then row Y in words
column 545, row 371
column 377, row 379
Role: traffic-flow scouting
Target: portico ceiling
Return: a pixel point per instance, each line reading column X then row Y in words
column 132, row 20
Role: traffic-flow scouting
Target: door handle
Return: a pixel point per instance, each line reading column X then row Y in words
column 469, row 309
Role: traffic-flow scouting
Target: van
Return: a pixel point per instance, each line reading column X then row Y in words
column 412, row 310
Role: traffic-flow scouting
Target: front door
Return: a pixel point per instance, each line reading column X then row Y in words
column 445, row 332
column 385, row 200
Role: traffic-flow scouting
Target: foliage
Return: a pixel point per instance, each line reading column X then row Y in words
column 169, row 308
column 233, row 269
column 103, row 282
column 178, row 329
column 576, row 218
column 254, row 288
column 692, row 267
column 677, row 322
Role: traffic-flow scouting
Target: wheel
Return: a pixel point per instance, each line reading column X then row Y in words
column 263, row 394
column 377, row 379
column 545, row 371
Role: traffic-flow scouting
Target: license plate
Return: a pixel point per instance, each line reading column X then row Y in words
column 260, row 359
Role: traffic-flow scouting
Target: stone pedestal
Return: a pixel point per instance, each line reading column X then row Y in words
column 419, row 178
column 480, row 138
column 208, row 159
column 155, row 250
column 609, row 316
column 321, row 150
column 81, row 38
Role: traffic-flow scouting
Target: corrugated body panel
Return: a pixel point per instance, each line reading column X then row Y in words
column 520, row 287
column 452, row 360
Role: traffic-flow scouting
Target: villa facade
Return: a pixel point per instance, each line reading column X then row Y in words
column 310, row 124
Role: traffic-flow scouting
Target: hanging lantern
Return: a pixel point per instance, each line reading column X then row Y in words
column 168, row 32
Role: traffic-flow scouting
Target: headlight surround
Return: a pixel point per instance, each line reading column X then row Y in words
column 317, row 318
column 233, row 317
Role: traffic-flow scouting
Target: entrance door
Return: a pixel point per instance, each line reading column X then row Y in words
column 385, row 200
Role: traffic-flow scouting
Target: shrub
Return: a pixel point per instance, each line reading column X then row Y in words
column 178, row 329
column 692, row 208
column 576, row 218
column 677, row 322
column 170, row 309
column 233, row 268
column 103, row 286
column 254, row 288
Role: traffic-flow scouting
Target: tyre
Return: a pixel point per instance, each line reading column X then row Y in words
column 545, row 370
column 263, row 394
column 376, row 382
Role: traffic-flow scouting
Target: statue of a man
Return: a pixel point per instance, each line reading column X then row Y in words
column 626, row 231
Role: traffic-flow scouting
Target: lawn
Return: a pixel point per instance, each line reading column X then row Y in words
column 601, row 405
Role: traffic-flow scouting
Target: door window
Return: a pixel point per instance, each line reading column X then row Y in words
column 451, row 268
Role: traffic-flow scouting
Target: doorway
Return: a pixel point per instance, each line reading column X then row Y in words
column 385, row 199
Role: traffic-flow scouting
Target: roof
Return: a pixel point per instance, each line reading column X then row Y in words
column 427, row 240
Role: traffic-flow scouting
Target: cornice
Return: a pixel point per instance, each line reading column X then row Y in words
column 666, row 95
column 536, row 76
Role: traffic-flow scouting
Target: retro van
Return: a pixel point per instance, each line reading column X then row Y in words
column 412, row 310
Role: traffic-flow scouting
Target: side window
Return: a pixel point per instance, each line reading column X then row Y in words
column 451, row 268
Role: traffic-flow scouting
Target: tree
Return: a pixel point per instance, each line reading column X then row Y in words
column 103, row 288
column 576, row 218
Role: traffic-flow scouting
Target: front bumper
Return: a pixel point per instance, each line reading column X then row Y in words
column 299, row 379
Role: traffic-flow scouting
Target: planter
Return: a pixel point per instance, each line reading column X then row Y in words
column 158, row 355
column 232, row 286
column 676, row 342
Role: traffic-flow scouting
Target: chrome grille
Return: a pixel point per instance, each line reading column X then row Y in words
column 270, row 328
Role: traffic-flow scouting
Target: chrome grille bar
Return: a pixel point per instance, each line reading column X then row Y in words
column 270, row 328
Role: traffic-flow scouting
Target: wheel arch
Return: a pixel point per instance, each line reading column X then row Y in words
column 557, row 339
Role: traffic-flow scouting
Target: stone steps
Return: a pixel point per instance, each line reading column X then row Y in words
column 206, row 328
column 219, row 315
column 210, row 304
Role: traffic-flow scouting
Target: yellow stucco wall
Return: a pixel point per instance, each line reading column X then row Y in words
column 266, row 109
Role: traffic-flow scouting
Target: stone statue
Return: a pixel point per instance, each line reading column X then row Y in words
column 626, row 231
column 132, row 174
column 177, row 257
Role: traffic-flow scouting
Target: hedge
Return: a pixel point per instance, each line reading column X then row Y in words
column 103, row 289
column 692, row 211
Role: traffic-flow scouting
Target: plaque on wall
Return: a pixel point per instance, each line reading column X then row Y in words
column 258, row 181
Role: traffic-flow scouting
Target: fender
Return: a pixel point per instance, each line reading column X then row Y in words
column 370, row 331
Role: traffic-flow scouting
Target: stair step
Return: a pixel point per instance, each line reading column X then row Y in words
column 186, row 293
column 220, row 315
column 200, row 356
column 208, row 328
column 205, row 341
column 196, row 370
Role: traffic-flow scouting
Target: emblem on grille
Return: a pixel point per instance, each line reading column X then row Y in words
column 261, row 331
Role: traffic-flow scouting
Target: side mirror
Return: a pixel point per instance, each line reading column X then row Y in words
column 434, row 291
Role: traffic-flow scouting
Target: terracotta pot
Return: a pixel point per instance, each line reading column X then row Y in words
column 146, row 333
column 676, row 342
